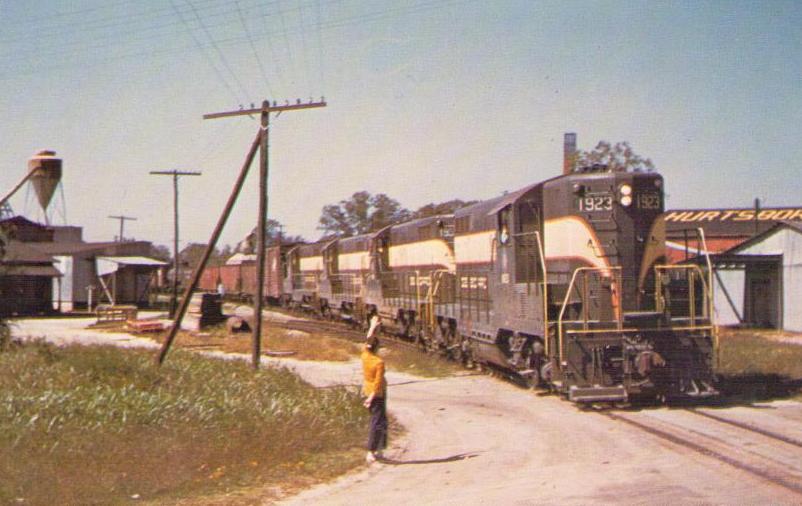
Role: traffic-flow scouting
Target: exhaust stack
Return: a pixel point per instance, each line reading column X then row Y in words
column 569, row 152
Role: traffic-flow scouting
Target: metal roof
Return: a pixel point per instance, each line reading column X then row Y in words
column 47, row 271
column 108, row 265
column 795, row 226
column 20, row 252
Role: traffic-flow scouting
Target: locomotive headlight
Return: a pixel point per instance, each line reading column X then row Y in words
column 625, row 195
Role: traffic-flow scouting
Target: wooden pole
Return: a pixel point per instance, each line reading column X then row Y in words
column 176, row 263
column 262, row 141
column 260, row 236
column 182, row 309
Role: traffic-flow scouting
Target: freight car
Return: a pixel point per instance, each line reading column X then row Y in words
column 239, row 279
column 562, row 283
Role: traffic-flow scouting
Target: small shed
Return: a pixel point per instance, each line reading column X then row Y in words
column 759, row 282
column 127, row 279
column 26, row 280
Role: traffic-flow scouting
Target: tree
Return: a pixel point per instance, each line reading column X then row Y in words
column 160, row 252
column 618, row 158
column 273, row 232
column 447, row 207
column 360, row 214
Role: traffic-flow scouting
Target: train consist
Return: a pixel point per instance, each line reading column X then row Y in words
column 562, row 283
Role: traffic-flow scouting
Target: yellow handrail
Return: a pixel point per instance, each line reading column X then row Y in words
column 711, row 300
column 660, row 304
column 567, row 296
column 546, row 339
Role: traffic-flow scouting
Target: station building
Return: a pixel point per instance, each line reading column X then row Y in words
column 757, row 261
column 51, row 268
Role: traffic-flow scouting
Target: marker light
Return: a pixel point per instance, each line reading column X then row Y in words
column 626, row 200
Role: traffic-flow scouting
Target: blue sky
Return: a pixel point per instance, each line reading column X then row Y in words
column 429, row 100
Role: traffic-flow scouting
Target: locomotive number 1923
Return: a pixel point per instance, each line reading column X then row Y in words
column 649, row 201
column 596, row 203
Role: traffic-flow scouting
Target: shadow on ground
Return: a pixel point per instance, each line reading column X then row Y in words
column 441, row 460
column 750, row 388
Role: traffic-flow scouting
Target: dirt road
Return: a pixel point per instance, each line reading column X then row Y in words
column 477, row 440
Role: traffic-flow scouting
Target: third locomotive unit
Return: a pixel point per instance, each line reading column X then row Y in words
column 562, row 283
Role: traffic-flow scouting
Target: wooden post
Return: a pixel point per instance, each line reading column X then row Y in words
column 260, row 236
column 176, row 263
column 265, row 111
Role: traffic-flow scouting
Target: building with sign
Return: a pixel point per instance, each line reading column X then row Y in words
column 757, row 261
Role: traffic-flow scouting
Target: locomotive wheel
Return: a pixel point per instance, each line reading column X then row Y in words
column 547, row 373
column 532, row 381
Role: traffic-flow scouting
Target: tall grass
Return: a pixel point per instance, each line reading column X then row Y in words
column 754, row 367
column 99, row 425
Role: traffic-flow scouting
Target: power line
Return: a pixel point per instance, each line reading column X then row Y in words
column 217, row 49
column 305, row 58
column 237, row 40
column 136, row 34
column 318, row 30
column 57, row 31
column 284, row 33
column 253, row 49
column 220, row 75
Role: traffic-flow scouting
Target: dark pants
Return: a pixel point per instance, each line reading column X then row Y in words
column 377, row 440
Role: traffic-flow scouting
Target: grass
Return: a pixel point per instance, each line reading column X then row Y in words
column 320, row 346
column 755, row 365
column 102, row 425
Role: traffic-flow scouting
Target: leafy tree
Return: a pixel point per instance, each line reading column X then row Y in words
column 619, row 157
column 361, row 213
column 191, row 255
column 161, row 252
column 273, row 232
column 447, row 207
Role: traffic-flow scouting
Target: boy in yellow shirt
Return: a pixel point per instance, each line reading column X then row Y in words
column 375, row 390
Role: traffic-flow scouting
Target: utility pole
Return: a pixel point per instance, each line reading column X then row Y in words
column 176, row 263
column 122, row 223
column 260, row 142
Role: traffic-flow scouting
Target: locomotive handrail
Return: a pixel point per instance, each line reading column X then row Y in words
column 436, row 276
column 711, row 300
column 660, row 303
column 565, row 304
column 546, row 338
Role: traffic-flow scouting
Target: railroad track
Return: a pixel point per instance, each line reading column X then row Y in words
column 305, row 324
column 767, row 455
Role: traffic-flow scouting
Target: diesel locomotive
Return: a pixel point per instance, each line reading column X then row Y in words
column 562, row 283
